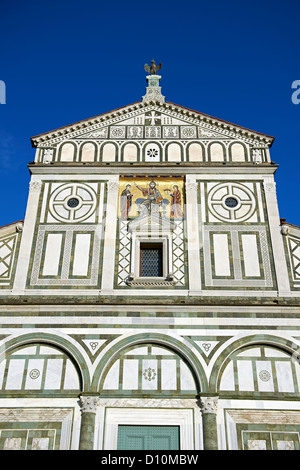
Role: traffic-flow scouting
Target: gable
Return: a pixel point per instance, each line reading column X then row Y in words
column 123, row 135
column 151, row 223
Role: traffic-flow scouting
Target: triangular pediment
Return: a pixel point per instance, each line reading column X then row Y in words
column 141, row 121
column 151, row 223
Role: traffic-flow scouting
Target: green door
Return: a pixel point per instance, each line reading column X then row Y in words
column 148, row 437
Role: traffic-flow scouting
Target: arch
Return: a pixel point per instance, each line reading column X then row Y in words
column 88, row 152
column 67, row 152
column 152, row 152
column 58, row 342
column 174, row 344
column 254, row 340
column 216, row 152
column 237, row 152
column 174, row 152
column 130, row 152
column 109, row 152
column 195, row 152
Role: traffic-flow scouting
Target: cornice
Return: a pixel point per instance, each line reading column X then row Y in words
column 148, row 301
column 227, row 129
column 12, row 228
column 138, row 168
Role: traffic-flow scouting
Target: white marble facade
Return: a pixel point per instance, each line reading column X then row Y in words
column 219, row 322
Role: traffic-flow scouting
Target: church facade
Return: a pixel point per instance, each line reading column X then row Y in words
column 150, row 298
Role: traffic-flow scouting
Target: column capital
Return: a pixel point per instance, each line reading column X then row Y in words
column 113, row 186
column 89, row 403
column 209, row 404
column 35, row 185
column 191, row 187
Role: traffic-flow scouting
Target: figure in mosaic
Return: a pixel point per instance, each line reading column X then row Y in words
column 153, row 200
column 175, row 194
column 125, row 202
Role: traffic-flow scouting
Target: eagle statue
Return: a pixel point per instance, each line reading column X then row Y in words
column 153, row 68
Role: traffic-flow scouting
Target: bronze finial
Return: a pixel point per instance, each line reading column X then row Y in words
column 153, row 68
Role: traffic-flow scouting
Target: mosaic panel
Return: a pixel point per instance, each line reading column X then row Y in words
column 145, row 195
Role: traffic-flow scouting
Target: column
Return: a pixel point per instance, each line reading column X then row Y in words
column 27, row 237
column 208, row 407
column 192, row 234
column 89, row 405
column 109, row 250
column 276, row 237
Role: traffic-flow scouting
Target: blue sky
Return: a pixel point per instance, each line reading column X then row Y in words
column 66, row 61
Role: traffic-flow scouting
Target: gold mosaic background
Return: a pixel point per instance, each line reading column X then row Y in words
column 165, row 186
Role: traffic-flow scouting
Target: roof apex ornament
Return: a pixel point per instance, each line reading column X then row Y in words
column 153, row 90
column 152, row 69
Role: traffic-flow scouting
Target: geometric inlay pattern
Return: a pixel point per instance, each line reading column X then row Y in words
column 231, row 202
column 72, row 202
column 39, row 369
column 7, row 248
column 178, row 253
column 261, row 369
column 235, row 231
column 294, row 245
column 65, row 277
column 125, row 254
column 151, row 369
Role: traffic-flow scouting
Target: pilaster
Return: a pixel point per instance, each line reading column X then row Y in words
column 276, row 237
column 192, row 235
column 109, row 252
column 27, row 237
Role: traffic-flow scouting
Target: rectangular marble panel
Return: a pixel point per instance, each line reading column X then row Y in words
column 284, row 376
column 168, row 375
column 81, row 254
column 52, row 254
column 12, row 443
column 149, row 381
column 250, row 255
column 245, row 376
column 130, row 374
column 264, row 376
column 221, row 254
column 15, row 374
column 53, row 374
column 227, row 381
column 186, row 378
column 34, row 374
column 2, row 370
column 71, row 381
column 112, row 379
